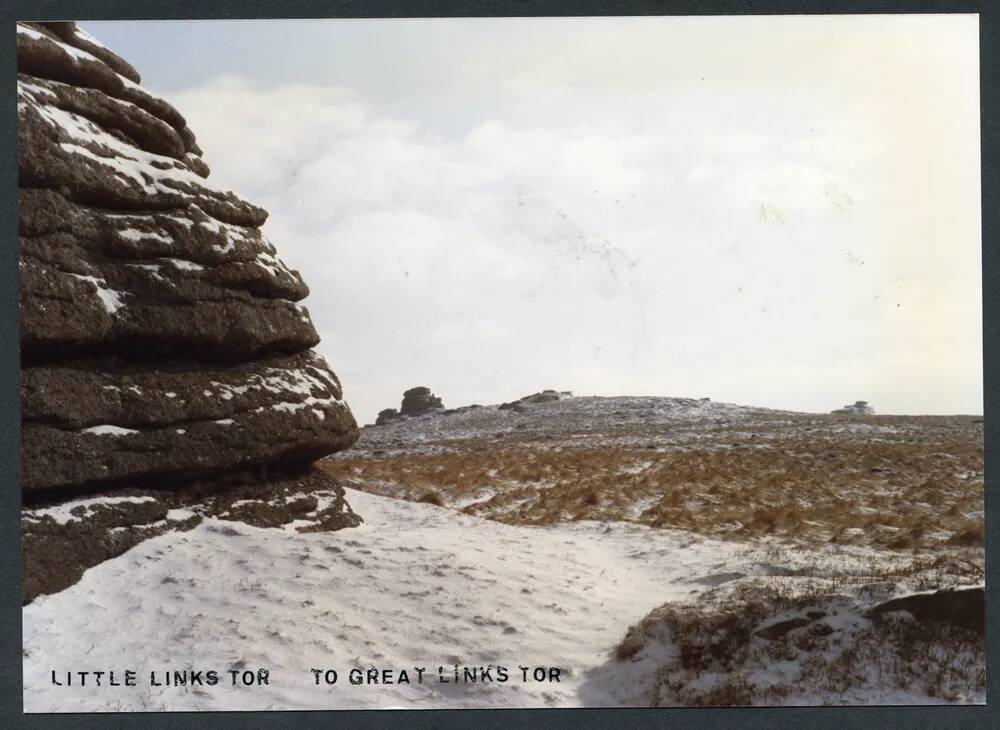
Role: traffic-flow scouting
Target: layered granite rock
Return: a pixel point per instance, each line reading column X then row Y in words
column 418, row 401
column 386, row 415
column 92, row 421
column 162, row 340
column 61, row 541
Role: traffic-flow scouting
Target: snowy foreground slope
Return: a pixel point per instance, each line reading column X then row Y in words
column 551, row 544
column 415, row 585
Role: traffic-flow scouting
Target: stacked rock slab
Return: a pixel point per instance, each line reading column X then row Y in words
column 386, row 415
column 418, row 401
column 161, row 338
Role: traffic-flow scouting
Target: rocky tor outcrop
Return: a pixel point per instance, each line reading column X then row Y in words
column 418, row 401
column 545, row 396
column 386, row 415
column 162, row 339
column 858, row 408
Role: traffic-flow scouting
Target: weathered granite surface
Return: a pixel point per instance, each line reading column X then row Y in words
column 163, row 342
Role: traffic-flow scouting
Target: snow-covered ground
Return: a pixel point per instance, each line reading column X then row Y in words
column 416, row 585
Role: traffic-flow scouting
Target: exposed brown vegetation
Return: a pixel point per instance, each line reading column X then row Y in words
column 918, row 486
column 789, row 625
column 432, row 498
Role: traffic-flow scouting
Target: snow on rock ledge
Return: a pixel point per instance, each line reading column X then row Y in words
column 162, row 339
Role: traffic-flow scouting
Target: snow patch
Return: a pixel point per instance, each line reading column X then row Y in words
column 414, row 583
column 131, row 234
column 109, row 430
column 110, row 298
column 185, row 265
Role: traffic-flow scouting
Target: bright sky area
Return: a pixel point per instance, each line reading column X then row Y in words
column 769, row 211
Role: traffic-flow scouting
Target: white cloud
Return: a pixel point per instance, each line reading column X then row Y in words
column 747, row 238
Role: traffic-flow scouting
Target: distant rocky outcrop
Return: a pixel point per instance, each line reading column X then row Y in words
column 418, row 401
column 858, row 408
column 162, row 340
column 387, row 415
column 544, row 396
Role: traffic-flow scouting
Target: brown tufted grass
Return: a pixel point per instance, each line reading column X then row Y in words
column 907, row 494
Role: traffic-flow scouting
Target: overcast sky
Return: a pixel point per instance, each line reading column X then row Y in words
column 771, row 211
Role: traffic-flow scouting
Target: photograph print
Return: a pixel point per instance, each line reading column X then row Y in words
column 500, row 363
